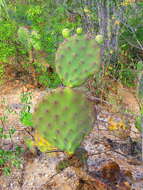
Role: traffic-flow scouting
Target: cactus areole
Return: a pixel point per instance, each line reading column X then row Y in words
column 77, row 58
column 64, row 117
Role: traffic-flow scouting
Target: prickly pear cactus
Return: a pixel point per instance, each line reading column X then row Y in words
column 63, row 118
column 76, row 59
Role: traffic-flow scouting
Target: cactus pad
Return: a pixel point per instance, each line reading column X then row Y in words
column 76, row 59
column 64, row 117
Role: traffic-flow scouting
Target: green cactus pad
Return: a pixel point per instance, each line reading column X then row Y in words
column 76, row 59
column 63, row 118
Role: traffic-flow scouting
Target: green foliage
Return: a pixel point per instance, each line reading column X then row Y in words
column 45, row 77
column 26, row 118
column 7, row 40
column 124, row 69
column 29, row 39
column 138, row 123
column 3, row 9
column 34, row 13
column 47, row 20
column 55, row 21
column 132, row 30
column 127, row 76
column 50, row 80
column 63, row 118
column 10, row 159
column 24, row 37
column 25, row 114
column 35, row 40
column 43, row 27
column 77, row 58
column 131, row 38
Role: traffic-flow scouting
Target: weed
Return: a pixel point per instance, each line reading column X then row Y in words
column 25, row 114
column 10, row 154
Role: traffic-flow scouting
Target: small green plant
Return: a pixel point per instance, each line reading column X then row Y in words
column 46, row 78
column 123, row 69
column 34, row 14
column 50, row 80
column 30, row 39
column 127, row 76
column 10, row 159
column 9, row 156
column 138, row 123
column 25, row 113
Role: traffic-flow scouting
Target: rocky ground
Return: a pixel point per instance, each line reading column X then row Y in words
column 113, row 160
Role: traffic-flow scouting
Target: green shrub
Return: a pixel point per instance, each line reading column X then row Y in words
column 7, row 40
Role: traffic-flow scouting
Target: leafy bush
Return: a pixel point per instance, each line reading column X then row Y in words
column 47, row 21
column 7, row 40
